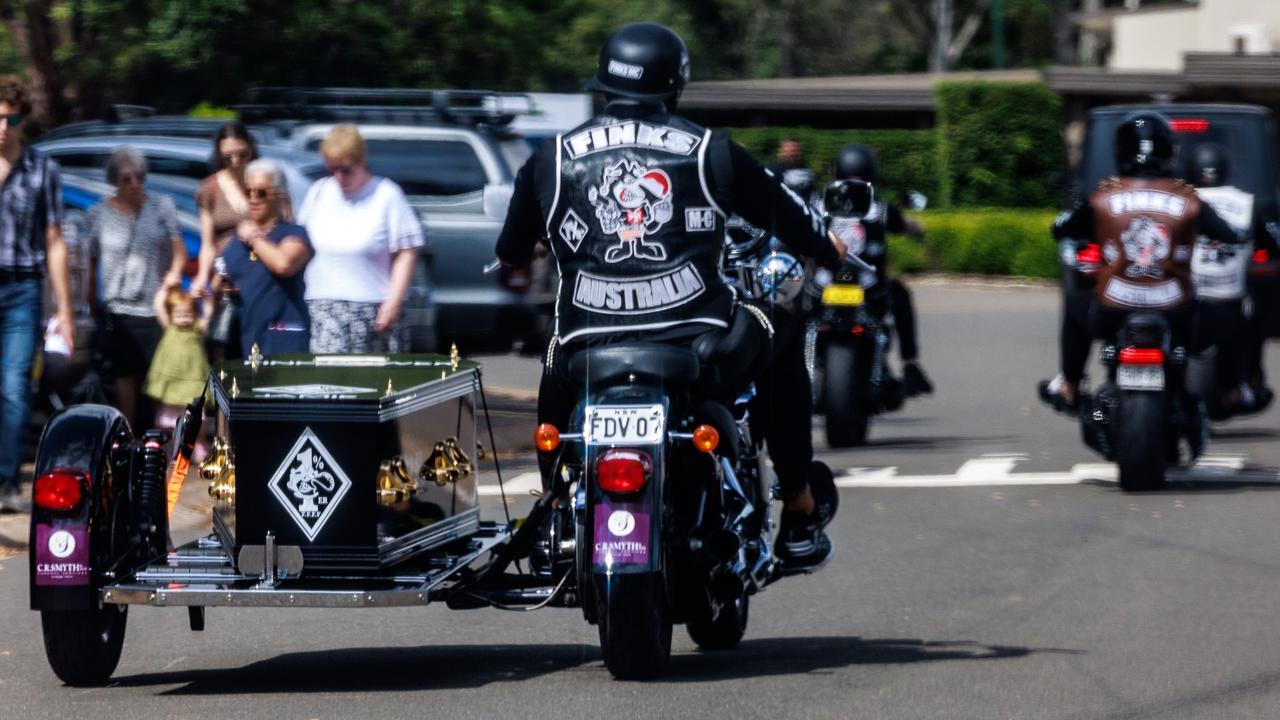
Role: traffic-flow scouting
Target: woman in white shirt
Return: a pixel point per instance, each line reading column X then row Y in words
column 366, row 240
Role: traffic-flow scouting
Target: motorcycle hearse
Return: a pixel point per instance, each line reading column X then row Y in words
column 349, row 481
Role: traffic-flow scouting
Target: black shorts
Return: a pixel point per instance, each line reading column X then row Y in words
column 129, row 343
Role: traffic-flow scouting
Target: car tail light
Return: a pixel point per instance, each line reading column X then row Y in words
column 623, row 471
column 546, row 437
column 60, row 489
column 1141, row 356
column 1189, row 125
column 1090, row 254
column 1261, row 255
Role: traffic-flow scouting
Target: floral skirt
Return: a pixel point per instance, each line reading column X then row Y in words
column 340, row 326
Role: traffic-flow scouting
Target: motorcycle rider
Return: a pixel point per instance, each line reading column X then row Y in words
column 1146, row 223
column 636, row 194
column 791, row 170
column 1219, row 272
column 858, row 162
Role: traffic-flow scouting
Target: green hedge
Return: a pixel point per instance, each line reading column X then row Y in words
column 908, row 158
column 993, row 241
column 998, row 142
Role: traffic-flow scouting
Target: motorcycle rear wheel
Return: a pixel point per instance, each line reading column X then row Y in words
column 1141, row 449
column 726, row 630
column 846, row 422
column 635, row 625
column 83, row 646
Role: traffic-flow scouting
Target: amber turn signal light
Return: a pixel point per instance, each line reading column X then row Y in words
column 706, row 438
column 546, row 438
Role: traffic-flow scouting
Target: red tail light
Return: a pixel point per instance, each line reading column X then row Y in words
column 60, row 489
column 858, row 330
column 1141, row 356
column 1189, row 126
column 1090, row 254
column 623, row 471
column 1261, row 255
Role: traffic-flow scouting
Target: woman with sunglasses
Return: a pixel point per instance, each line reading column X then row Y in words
column 135, row 247
column 366, row 239
column 265, row 260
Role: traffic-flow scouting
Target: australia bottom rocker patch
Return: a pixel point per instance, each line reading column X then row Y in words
column 637, row 295
column 309, row 483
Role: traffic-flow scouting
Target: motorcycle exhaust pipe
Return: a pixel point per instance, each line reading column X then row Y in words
column 722, row 544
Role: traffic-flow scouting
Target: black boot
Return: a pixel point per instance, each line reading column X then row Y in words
column 802, row 544
column 915, row 380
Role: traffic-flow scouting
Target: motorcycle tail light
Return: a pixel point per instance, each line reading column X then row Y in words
column 858, row 330
column 1141, row 356
column 546, row 437
column 1189, row 125
column 1261, row 255
column 60, row 489
column 706, row 438
column 623, row 471
column 1090, row 254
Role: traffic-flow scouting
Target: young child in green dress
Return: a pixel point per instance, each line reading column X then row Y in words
column 179, row 369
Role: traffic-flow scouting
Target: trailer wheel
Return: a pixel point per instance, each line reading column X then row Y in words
column 83, row 646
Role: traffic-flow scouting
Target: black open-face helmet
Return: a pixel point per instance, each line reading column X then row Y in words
column 1209, row 166
column 855, row 162
column 1144, row 145
column 642, row 61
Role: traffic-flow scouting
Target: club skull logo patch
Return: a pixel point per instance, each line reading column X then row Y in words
column 1147, row 243
column 309, row 483
column 632, row 202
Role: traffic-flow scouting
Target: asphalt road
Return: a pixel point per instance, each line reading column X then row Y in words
column 987, row 567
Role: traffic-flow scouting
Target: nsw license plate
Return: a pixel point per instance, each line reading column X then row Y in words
column 845, row 295
column 1140, row 377
column 624, row 424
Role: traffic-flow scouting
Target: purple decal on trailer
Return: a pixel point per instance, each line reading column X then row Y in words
column 622, row 534
column 61, row 555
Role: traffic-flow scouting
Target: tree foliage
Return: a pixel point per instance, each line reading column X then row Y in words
column 174, row 54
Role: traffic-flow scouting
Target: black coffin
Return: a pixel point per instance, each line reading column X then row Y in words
column 362, row 462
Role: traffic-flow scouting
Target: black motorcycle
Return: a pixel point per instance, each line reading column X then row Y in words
column 850, row 339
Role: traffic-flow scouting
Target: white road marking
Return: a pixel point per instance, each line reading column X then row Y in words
column 997, row 470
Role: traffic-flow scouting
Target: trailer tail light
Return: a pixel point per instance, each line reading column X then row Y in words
column 60, row 489
column 1090, row 254
column 546, row 437
column 623, row 471
column 1189, row 125
column 1261, row 256
column 1141, row 356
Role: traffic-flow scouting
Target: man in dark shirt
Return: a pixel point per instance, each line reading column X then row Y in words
column 30, row 241
column 790, row 169
column 633, row 203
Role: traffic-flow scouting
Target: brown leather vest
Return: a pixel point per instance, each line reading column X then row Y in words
column 1147, row 230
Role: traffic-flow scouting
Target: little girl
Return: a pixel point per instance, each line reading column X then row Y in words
column 179, row 369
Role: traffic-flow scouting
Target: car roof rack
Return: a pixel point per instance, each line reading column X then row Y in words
column 385, row 105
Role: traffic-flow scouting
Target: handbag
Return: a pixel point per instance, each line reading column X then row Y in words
column 224, row 325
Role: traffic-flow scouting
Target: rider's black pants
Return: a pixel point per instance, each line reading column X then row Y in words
column 1223, row 323
column 1083, row 320
column 782, row 410
column 1075, row 335
column 904, row 319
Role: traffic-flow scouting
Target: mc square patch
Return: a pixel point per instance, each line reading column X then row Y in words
column 309, row 484
column 699, row 219
column 619, row 295
column 573, row 230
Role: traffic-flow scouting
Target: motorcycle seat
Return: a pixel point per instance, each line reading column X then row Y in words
column 655, row 361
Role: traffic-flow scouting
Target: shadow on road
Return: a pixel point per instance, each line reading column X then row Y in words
column 938, row 442
column 1240, row 435
column 441, row 667
column 1207, row 481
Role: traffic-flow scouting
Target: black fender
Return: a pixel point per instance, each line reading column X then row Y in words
column 84, row 438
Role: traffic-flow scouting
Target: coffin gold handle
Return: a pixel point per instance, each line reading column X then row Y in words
column 395, row 485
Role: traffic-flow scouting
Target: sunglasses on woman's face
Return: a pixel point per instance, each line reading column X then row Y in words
column 129, row 179
column 339, row 169
column 13, row 119
column 240, row 155
column 258, row 193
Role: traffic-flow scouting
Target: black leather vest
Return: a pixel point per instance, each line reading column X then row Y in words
column 634, row 228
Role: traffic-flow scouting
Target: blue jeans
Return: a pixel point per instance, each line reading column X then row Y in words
column 20, row 312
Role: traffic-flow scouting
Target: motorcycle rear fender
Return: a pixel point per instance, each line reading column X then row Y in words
column 79, row 438
column 632, row 524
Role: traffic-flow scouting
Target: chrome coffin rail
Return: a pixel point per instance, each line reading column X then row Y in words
column 210, row 590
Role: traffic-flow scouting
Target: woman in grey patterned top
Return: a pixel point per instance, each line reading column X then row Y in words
column 135, row 247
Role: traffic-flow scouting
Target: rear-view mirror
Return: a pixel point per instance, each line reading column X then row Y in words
column 848, row 198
